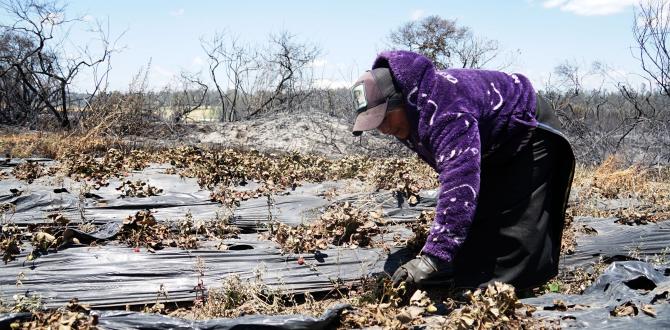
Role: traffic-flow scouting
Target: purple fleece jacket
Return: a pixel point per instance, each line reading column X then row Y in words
column 457, row 115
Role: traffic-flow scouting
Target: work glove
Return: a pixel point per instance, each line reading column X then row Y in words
column 423, row 270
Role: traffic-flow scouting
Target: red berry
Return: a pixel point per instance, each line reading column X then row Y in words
column 301, row 260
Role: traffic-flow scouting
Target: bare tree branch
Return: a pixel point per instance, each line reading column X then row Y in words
column 445, row 43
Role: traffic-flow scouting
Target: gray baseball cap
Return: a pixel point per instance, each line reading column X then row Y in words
column 371, row 93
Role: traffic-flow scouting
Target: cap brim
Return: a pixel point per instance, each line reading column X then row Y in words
column 370, row 119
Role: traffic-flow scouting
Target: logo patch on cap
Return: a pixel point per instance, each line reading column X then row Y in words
column 360, row 101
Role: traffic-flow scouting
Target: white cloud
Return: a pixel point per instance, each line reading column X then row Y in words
column 177, row 13
column 553, row 3
column 590, row 7
column 417, row 14
column 88, row 18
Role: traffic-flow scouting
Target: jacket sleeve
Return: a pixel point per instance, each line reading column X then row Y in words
column 454, row 137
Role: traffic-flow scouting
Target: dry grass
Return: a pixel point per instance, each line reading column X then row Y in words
column 28, row 171
column 341, row 225
column 373, row 304
column 52, row 145
column 138, row 188
column 494, row 307
column 143, row 230
column 216, row 168
column 237, row 298
column 43, row 238
column 612, row 180
column 231, row 167
column 573, row 281
column 648, row 188
column 643, row 193
column 10, row 242
column 71, row 316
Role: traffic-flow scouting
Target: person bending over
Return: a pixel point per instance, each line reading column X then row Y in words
column 504, row 168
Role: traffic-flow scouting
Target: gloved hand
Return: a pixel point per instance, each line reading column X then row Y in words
column 424, row 269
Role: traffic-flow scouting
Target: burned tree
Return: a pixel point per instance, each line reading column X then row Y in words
column 251, row 80
column 445, row 43
column 286, row 79
column 188, row 97
column 236, row 61
column 651, row 28
column 36, row 67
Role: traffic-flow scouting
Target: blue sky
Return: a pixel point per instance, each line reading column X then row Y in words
column 350, row 33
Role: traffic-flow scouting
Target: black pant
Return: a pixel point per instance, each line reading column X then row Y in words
column 516, row 233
